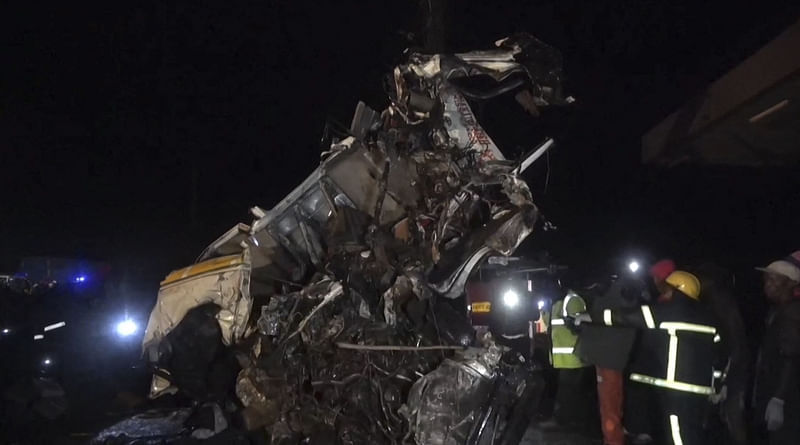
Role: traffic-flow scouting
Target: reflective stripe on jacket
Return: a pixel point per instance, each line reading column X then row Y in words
column 678, row 345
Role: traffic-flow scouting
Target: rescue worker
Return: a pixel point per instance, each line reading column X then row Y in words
column 680, row 335
column 571, row 409
column 608, row 348
column 638, row 420
column 776, row 396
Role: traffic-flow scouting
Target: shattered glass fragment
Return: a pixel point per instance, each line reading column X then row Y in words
column 274, row 314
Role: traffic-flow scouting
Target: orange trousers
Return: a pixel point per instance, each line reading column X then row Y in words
column 609, row 396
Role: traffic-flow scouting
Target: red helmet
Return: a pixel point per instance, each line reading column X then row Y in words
column 662, row 269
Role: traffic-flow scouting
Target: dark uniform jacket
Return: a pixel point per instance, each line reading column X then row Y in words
column 777, row 368
column 678, row 344
column 610, row 347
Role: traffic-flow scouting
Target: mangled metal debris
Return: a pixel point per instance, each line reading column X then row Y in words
column 444, row 404
column 338, row 301
column 221, row 281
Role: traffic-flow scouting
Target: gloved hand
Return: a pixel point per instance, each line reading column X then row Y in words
column 720, row 396
column 582, row 318
column 774, row 414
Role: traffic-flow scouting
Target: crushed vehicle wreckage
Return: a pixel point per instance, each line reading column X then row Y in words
column 336, row 305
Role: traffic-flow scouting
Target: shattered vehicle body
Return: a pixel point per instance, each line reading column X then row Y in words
column 339, row 301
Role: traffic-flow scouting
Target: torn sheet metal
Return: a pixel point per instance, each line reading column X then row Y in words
column 538, row 64
column 261, row 395
column 463, row 128
column 160, row 385
column 223, row 281
column 534, row 155
column 444, row 405
column 155, row 425
column 230, row 243
column 325, row 291
column 511, row 233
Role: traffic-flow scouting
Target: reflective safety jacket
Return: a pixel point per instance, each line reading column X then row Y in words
column 562, row 337
column 678, row 345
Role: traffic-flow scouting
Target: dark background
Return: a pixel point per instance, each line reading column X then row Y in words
column 137, row 133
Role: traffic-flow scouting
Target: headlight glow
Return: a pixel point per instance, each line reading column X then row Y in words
column 127, row 328
column 511, row 298
column 633, row 266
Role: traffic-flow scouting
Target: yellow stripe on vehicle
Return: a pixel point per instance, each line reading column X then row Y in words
column 204, row 267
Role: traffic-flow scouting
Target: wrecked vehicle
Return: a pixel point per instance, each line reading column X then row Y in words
column 336, row 308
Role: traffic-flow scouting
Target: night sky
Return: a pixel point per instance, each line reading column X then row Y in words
column 137, row 133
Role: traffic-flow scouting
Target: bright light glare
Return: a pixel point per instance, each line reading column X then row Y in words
column 60, row 324
column 47, row 361
column 633, row 266
column 80, row 279
column 469, row 307
column 540, row 304
column 510, row 298
column 6, row 331
column 127, row 328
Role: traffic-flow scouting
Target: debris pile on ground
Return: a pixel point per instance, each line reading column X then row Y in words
column 340, row 303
